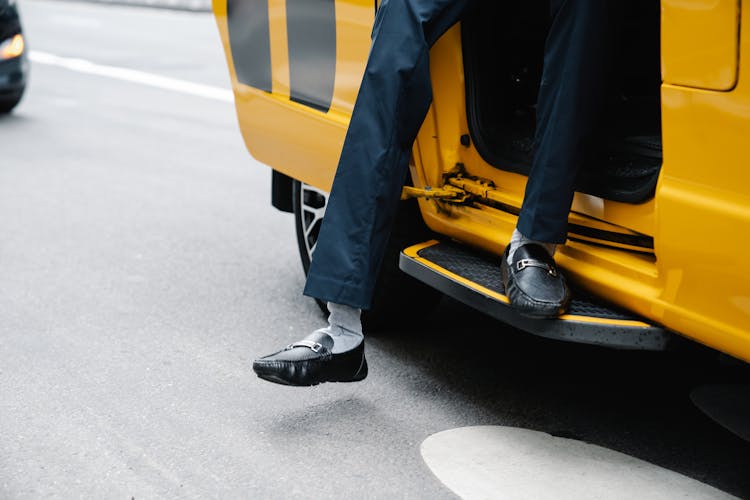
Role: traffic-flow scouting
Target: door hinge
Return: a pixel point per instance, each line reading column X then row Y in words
column 458, row 187
column 444, row 193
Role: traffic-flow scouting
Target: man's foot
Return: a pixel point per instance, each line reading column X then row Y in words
column 534, row 285
column 311, row 362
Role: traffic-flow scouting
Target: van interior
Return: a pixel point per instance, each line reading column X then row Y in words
column 503, row 49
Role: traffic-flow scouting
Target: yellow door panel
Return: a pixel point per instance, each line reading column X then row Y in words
column 353, row 27
column 279, row 48
column 700, row 43
column 295, row 67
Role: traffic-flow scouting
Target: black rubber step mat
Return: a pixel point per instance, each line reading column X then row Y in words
column 473, row 277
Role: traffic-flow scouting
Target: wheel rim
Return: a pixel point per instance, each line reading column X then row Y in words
column 312, row 202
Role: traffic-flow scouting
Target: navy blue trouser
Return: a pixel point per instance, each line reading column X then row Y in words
column 394, row 97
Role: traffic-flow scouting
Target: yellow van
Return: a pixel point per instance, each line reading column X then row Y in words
column 660, row 223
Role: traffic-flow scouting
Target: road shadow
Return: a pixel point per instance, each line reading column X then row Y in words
column 634, row 402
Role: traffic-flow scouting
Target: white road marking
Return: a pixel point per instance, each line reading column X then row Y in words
column 134, row 76
column 493, row 462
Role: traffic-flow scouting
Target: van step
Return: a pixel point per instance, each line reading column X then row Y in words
column 474, row 278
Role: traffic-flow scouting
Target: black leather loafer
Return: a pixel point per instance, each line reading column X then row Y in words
column 311, row 362
column 533, row 283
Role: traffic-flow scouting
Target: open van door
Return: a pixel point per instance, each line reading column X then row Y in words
column 295, row 68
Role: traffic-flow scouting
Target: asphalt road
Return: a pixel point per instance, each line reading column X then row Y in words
column 143, row 269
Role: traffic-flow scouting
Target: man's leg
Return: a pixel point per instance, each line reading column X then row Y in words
column 393, row 100
column 574, row 79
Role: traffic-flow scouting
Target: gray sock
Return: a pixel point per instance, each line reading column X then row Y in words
column 519, row 239
column 344, row 326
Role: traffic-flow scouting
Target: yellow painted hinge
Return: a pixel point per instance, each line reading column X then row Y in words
column 446, row 193
column 457, row 187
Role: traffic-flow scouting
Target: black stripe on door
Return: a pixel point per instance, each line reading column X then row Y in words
column 249, row 39
column 311, row 29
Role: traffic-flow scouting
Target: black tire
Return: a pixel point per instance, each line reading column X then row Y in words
column 399, row 298
column 8, row 102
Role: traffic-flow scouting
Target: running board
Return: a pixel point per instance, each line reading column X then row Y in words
column 474, row 278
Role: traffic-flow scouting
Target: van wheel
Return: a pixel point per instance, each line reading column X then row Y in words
column 309, row 204
column 8, row 102
column 399, row 298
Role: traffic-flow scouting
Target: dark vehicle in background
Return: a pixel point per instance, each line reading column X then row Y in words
column 14, row 62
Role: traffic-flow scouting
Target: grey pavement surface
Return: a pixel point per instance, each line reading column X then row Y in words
column 143, row 269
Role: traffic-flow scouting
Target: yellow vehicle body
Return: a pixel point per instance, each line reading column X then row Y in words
column 693, row 280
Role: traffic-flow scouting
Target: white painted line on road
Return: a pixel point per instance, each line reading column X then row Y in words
column 494, row 462
column 134, row 76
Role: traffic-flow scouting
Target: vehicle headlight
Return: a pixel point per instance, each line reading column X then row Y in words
column 12, row 47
